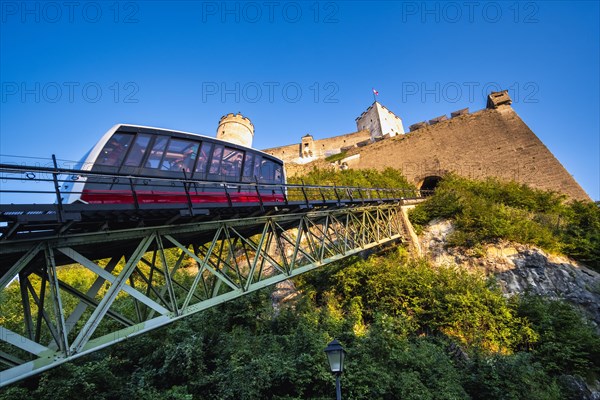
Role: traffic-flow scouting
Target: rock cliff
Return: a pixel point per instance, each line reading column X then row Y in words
column 519, row 268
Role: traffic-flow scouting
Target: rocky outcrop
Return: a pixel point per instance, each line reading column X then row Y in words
column 520, row 268
column 554, row 277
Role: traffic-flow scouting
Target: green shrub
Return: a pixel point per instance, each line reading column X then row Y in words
column 513, row 377
column 368, row 178
column 425, row 299
column 568, row 343
column 484, row 211
column 336, row 157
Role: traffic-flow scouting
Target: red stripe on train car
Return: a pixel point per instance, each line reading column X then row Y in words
column 153, row 197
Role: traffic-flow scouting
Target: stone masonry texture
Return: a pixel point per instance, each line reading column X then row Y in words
column 487, row 143
column 493, row 142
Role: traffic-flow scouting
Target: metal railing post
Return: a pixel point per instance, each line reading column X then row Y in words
column 260, row 200
column 304, row 193
column 339, row 202
column 322, row 195
column 135, row 198
column 187, row 193
column 228, row 195
column 362, row 199
column 59, row 204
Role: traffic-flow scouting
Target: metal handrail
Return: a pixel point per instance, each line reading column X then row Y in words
column 323, row 192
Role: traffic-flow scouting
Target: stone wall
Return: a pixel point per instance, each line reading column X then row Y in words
column 493, row 142
column 488, row 143
column 321, row 147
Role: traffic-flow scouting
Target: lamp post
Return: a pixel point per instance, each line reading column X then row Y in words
column 336, row 354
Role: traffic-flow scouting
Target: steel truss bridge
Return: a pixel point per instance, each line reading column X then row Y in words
column 147, row 265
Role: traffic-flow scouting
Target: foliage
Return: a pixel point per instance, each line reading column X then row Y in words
column 513, row 377
column 387, row 365
column 370, row 178
column 396, row 318
column 483, row 211
column 411, row 331
column 335, row 157
column 580, row 233
column 428, row 300
column 568, row 343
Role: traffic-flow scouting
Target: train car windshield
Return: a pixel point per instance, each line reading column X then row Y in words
column 278, row 178
column 270, row 172
column 136, row 154
column 114, row 150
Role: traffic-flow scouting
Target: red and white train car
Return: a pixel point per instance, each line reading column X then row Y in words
column 162, row 157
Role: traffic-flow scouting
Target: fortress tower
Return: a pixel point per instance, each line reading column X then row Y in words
column 380, row 121
column 307, row 149
column 236, row 128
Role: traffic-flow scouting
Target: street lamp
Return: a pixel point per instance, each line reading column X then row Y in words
column 335, row 354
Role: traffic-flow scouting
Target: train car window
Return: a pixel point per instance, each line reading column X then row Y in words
column 136, row 154
column 114, row 150
column 180, row 155
column 267, row 171
column 257, row 162
column 278, row 178
column 205, row 151
column 248, row 165
column 231, row 166
column 157, row 151
column 216, row 159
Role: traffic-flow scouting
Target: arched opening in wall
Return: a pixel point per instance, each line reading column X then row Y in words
column 429, row 184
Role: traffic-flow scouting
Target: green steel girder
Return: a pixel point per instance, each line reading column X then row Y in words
column 145, row 278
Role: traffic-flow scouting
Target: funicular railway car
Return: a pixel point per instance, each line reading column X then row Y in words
column 162, row 161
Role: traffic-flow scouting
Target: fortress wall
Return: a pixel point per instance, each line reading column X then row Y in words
column 288, row 153
column 338, row 142
column 322, row 147
column 487, row 143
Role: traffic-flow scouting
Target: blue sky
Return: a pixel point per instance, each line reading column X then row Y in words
column 69, row 71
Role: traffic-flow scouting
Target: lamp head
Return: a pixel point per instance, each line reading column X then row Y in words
column 335, row 354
